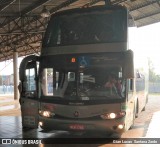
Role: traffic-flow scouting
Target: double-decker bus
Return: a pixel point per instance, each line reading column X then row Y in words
column 85, row 78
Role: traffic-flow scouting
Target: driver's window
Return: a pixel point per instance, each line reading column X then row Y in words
column 29, row 81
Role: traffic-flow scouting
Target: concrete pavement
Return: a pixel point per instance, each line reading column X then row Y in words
column 9, row 106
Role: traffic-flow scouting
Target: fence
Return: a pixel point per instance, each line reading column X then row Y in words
column 153, row 88
column 6, row 89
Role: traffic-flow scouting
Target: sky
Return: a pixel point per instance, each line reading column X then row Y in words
column 143, row 41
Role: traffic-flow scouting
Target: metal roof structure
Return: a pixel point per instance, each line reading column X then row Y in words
column 22, row 27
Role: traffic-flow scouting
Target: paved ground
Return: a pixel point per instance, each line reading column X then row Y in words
column 9, row 106
column 146, row 125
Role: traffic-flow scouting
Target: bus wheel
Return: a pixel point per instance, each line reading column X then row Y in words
column 136, row 112
column 44, row 128
column 115, row 135
column 144, row 108
column 131, row 127
column 26, row 128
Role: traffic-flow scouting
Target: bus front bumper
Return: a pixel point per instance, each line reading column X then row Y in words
column 108, row 126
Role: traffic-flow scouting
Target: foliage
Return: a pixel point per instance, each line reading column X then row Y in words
column 153, row 77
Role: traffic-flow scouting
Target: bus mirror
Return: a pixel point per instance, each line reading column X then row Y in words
column 23, row 66
column 129, row 64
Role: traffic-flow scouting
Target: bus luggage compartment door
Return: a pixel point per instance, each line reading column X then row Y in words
column 29, row 110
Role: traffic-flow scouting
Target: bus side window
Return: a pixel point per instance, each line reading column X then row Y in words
column 130, row 88
column 29, row 84
column 140, row 82
column 130, row 85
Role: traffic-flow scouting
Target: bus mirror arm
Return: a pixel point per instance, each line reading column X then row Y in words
column 129, row 64
column 23, row 65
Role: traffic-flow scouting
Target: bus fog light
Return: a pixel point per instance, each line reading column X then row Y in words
column 41, row 123
column 120, row 126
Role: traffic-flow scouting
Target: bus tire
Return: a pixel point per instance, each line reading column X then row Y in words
column 147, row 99
column 44, row 128
column 144, row 108
column 131, row 127
column 136, row 112
column 115, row 135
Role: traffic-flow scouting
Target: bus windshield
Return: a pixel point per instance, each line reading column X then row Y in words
column 87, row 27
column 97, row 80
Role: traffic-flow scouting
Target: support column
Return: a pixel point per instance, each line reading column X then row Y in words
column 16, row 76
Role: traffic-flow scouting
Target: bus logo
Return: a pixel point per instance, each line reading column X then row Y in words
column 76, row 113
column 6, row 141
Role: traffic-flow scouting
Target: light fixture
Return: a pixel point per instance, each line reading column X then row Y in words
column 45, row 12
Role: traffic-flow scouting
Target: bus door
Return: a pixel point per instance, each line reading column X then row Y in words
column 29, row 92
column 130, row 104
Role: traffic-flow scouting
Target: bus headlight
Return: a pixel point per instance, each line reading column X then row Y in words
column 46, row 113
column 113, row 115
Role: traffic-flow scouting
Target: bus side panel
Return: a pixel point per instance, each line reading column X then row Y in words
column 141, row 80
column 29, row 112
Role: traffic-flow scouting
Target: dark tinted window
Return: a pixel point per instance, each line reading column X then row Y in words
column 98, row 26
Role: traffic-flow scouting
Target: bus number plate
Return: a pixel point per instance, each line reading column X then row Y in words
column 76, row 127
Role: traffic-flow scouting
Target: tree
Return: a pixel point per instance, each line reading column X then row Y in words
column 153, row 77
